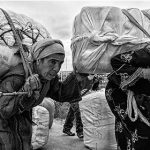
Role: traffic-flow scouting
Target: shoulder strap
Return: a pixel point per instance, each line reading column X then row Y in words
column 134, row 21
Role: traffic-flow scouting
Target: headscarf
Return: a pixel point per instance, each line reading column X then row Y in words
column 46, row 47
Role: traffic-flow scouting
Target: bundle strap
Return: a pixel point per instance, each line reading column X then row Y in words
column 146, row 14
column 132, row 109
column 134, row 21
column 18, row 41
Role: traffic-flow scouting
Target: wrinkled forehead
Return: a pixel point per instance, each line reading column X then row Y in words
column 57, row 56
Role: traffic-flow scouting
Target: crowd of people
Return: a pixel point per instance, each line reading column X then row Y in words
column 127, row 94
column 16, row 110
column 88, row 84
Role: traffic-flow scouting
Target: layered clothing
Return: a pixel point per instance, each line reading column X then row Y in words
column 73, row 113
column 16, row 111
column 128, row 95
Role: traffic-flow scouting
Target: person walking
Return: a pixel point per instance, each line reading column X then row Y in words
column 73, row 114
column 47, row 56
column 74, row 110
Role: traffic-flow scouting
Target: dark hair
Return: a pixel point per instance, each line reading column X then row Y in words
column 95, row 86
column 83, row 74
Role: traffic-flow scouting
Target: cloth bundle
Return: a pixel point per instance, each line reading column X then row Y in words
column 98, row 122
column 99, row 33
column 29, row 32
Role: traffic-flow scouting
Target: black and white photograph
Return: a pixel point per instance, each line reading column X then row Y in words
column 74, row 75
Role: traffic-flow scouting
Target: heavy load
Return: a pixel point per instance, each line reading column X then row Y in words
column 40, row 128
column 48, row 103
column 99, row 33
column 98, row 122
column 28, row 31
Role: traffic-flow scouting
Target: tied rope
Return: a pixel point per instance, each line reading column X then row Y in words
column 19, row 43
column 132, row 105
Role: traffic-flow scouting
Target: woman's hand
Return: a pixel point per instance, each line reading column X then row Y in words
column 32, row 84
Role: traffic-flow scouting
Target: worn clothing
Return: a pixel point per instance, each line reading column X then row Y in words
column 132, row 130
column 74, row 114
column 15, row 111
column 74, row 110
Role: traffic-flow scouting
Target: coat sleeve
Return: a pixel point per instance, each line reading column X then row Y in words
column 128, row 67
column 11, row 105
column 66, row 91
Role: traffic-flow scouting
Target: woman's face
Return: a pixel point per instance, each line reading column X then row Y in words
column 50, row 66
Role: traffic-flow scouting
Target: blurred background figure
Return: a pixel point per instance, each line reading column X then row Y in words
column 73, row 113
column 74, row 110
column 96, row 83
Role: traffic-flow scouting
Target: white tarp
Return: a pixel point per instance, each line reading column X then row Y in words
column 40, row 133
column 29, row 31
column 98, row 122
column 102, row 32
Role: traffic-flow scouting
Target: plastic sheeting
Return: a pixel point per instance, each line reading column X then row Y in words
column 99, row 33
column 40, row 133
column 98, row 122
column 48, row 103
column 29, row 31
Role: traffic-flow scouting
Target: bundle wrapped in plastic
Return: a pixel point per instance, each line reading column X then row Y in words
column 98, row 122
column 29, row 32
column 99, row 33
column 40, row 130
column 48, row 103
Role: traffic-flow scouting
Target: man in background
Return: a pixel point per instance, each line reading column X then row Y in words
column 74, row 110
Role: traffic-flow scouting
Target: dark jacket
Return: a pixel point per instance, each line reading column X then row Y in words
column 127, row 76
column 15, row 111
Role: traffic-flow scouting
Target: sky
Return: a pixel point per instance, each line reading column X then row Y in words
column 58, row 16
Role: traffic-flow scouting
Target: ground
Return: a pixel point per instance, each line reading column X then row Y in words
column 60, row 141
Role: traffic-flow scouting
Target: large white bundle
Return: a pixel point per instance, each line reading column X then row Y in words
column 98, row 122
column 99, row 33
column 29, row 31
